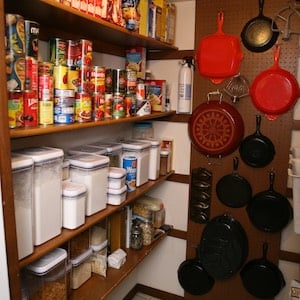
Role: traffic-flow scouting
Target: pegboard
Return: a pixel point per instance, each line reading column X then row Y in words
column 236, row 15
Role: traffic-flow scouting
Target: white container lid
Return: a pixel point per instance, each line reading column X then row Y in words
column 164, row 152
column 20, row 162
column 135, row 145
column 110, row 147
column 82, row 257
column 87, row 149
column 88, row 161
column 117, row 191
column 154, row 142
column 48, row 261
column 115, row 172
column 100, row 246
column 40, row 154
column 73, row 189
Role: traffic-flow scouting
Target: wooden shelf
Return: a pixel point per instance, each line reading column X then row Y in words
column 98, row 287
column 59, row 20
column 42, row 130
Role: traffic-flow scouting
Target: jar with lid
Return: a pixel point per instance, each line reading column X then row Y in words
column 136, row 238
column 147, row 227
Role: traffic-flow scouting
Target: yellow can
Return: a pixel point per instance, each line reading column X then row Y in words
column 46, row 112
column 60, row 75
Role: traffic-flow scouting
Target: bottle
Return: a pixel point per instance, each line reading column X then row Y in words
column 136, row 239
column 148, row 231
column 185, row 86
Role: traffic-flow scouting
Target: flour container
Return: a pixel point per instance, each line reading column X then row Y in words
column 47, row 192
column 91, row 170
column 86, row 149
column 22, row 170
column 116, row 177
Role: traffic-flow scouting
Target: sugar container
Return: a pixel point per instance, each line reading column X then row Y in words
column 22, row 170
column 92, row 170
column 47, row 192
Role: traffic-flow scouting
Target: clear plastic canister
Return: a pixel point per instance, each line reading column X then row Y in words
column 142, row 130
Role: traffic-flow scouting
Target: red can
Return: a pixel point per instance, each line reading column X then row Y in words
column 97, row 79
column 98, row 101
column 31, row 73
column 108, row 81
column 84, row 79
column 86, row 53
column 45, row 81
column 30, row 115
column 108, row 106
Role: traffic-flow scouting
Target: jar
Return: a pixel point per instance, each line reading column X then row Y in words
column 165, row 162
column 142, row 130
column 147, row 228
column 136, row 238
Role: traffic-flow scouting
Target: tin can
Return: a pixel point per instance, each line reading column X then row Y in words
column 108, row 81
column 98, row 102
column 131, row 81
column 130, row 165
column 85, row 53
column 15, row 33
column 130, row 104
column 60, row 75
column 15, row 109
column 64, row 93
column 108, row 105
column 15, row 71
column 58, row 51
column 91, row 7
column 83, row 107
column 72, row 52
column 73, row 78
column 45, row 90
column 46, row 111
column 30, row 102
column 97, row 79
column 31, row 73
column 32, row 30
column 64, row 110
column 140, row 91
column 119, row 81
column 84, row 79
column 118, row 106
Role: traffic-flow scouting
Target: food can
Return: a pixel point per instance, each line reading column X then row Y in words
column 64, row 93
column 85, row 53
column 72, row 52
column 131, row 81
column 60, row 75
column 64, row 110
column 108, row 81
column 32, row 30
column 58, row 51
column 45, row 112
column 91, row 7
column 15, row 109
column 30, row 102
column 97, row 79
column 84, row 79
column 130, row 104
column 73, row 78
column 83, row 107
column 140, row 91
column 108, row 106
column 118, row 106
column 45, row 80
column 15, row 33
column 31, row 73
column 130, row 164
column 15, row 71
column 98, row 102
column 119, row 81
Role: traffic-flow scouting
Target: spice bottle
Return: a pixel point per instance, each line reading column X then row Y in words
column 136, row 238
column 148, row 231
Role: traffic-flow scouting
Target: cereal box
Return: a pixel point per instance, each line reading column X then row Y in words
column 157, row 94
column 136, row 60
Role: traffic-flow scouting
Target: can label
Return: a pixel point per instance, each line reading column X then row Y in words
column 45, row 87
column 64, row 109
column 98, row 100
column 118, row 106
column 31, row 73
column 15, row 109
column 46, row 112
column 119, row 81
column 15, row 71
column 32, row 30
column 73, row 78
column 58, row 51
column 84, row 79
column 130, row 165
column 108, row 81
column 30, row 115
column 15, row 33
column 60, row 75
column 108, row 106
column 97, row 79
column 83, row 107
column 131, row 81
column 86, row 53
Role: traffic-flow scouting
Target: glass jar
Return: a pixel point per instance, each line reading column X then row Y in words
column 136, row 238
column 148, row 231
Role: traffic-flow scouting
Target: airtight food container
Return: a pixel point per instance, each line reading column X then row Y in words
column 79, row 244
column 165, row 161
column 46, row 278
column 116, row 177
column 86, row 149
column 22, row 171
column 65, row 169
column 91, row 170
column 47, row 192
column 116, row 196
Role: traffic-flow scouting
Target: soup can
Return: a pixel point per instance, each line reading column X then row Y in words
column 119, row 81
column 58, row 51
column 118, row 106
column 64, row 109
column 15, row 109
column 73, row 78
column 108, row 105
column 60, row 75
column 30, row 102
column 15, row 33
column 97, row 79
column 83, row 107
column 32, row 30
column 108, row 81
column 15, row 71
column 130, row 165
column 83, row 79
column 31, row 73
column 46, row 112
column 98, row 102
column 85, row 53
column 131, row 81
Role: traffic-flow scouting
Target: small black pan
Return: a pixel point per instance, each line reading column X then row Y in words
column 257, row 34
column 268, row 210
column 261, row 278
column 233, row 189
column 257, row 150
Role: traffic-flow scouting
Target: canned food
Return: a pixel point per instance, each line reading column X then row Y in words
column 15, row 33
column 131, row 81
column 108, row 81
column 118, row 106
column 64, row 93
column 84, row 79
column 15, row 109
column 130, row 104
column 45, row 81
column 45, row 68
column 98, row 100
column 72, row 52
column 83, row 107
column 108, row 106
column 58, row 51
column 60, row 75
column 130, row 165
column 45, row 111
column 31, row 73
column 64, row 109
column 85, row 53
column 15, row 71
column 140, row 91
column 119, row 81
column 97, row 79
column 32, row 30
column 73, row 78
column 30, row 102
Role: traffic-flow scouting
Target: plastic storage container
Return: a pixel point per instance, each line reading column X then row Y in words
column 116, row 178
column 141, row 150
column 86, row 149
column 79, row 244
column 116, row 196
column 46, row 278
column 22, row 170
column 73, row 201
column 99, row 258
column 92, row 170
column 142, row 130
column 47, row 192
column 165, row 162
column 65, row 169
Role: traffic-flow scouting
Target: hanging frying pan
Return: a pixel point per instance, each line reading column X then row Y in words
column 233, row 189
column 261, row 278
column 193, row 278
column 275, row 90
column 257, row 34
column 216, row 128
column 268, row 210
column 219, row 55
column 257, row 150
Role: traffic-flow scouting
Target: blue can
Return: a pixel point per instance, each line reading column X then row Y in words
column 129, row 164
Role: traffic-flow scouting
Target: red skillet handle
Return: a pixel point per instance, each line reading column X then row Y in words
column 276, row 56
column 220, row 22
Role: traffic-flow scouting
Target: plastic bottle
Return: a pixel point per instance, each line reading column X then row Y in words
column 185, row 86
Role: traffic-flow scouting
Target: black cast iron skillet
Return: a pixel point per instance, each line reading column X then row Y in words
column 268, row 210
column 233, row 189
column 257, row 150
column 261, row 278
column 257, row 34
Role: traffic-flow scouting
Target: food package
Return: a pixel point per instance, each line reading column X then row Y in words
column 157, row 94
column 144, row 207
column 136, row 60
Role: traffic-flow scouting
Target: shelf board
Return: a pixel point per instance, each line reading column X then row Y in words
column 67, row 234
column 42, row 130
column 98, row 287
column 58, row 20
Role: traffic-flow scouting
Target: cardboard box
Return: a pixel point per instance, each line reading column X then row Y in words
column 152, row 20
column 157, row 94
column 161, row 19
column 136, row 60
column 170, row 23
column 142, row 11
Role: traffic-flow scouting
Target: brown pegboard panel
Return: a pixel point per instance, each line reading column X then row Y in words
column 236, row 14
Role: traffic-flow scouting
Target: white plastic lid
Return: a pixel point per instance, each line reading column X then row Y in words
column 154, row 142
column 73, row 189
column 117, row 191
column 115, row 172
column 164, row 152
column 87, row 149
column 39, row 154
column 110, row 147
column 88, row 161
column 100, row 246
column 82, row 257
column 135, row 145
column 48, row 261
column 19, row 161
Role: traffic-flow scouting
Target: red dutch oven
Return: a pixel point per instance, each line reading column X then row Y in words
column 275, row 90
column 219, row 55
